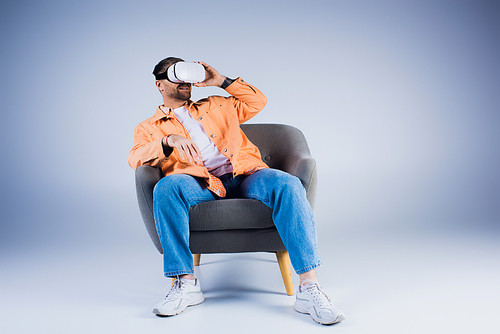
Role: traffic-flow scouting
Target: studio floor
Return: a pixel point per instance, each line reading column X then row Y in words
column 419, row 281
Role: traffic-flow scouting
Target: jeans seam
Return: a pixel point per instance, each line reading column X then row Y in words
column 199, row 200
column 309, row 268
column 178, row 272
column 258, row 198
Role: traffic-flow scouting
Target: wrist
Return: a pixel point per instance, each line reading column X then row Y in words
column 226, row 82
column 167, row 150
column 222, row 81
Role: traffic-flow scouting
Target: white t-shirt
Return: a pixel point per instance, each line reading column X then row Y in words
column 216, row 163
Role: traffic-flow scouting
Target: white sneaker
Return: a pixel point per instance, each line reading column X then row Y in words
column 312, row 300
column 181, row 295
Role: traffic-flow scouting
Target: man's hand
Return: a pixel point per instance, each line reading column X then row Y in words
column 212, row 77
column 186, row 147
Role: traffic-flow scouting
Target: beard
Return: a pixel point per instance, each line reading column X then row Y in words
column 181, row 95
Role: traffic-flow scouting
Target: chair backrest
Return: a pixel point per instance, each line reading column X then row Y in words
column 277, row 142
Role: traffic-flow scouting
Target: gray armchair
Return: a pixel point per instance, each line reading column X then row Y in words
column 240, row 225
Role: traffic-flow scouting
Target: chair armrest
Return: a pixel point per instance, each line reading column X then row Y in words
column 304, row 167
column 146, row 178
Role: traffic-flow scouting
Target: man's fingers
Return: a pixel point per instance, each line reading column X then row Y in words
column 182, row 154
column 194, row 152
column 187, row 148
column 190, row 152
column 205, row 65
column 197, row 150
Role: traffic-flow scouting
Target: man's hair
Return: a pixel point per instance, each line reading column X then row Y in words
column 162, row 66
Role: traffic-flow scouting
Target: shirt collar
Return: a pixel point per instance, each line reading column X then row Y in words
column 160, row 114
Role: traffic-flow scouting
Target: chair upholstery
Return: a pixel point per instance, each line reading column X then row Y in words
column 238, row 225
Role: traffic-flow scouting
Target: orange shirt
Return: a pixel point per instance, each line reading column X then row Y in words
column 220, row 117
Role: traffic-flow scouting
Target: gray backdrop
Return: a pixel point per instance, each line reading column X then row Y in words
column 399, row 102
column 398, row 99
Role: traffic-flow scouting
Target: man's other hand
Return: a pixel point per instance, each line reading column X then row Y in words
column 212, row 77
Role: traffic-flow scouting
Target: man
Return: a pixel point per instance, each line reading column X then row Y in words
column 205, row 156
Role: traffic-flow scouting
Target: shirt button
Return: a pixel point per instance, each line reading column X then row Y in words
column 231, row 155
column 200, row 118
column 225, row 150
column 213, row 136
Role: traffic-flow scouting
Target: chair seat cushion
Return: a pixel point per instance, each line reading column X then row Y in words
column 220, row 215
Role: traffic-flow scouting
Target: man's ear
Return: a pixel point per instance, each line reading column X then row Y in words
column 158, row 85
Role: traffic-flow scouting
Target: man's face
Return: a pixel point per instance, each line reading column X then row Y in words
column 176, row 91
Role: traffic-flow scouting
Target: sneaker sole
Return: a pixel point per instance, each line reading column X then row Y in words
column 180, row 310
column 301, row 309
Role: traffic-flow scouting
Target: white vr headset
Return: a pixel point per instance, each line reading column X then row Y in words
column 183, row 72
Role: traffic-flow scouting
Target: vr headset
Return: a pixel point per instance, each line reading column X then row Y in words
column 183, row 72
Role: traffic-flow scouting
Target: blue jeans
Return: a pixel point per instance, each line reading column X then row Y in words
column 174, row 195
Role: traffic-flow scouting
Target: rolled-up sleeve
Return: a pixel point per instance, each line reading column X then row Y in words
column 248, row 101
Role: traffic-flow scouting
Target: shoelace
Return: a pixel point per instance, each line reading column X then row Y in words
column 319, row 296
column 175, row 290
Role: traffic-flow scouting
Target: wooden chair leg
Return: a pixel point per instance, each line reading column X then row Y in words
column 286, row 273
column 197, row 258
